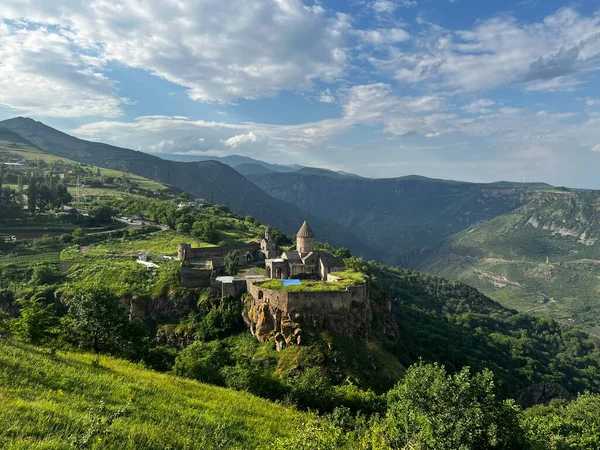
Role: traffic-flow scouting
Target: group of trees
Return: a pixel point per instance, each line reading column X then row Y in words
column 46, row 192
column 10, row 199
column 95, row 320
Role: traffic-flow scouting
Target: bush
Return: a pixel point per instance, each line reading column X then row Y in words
column 430, row 409
column 203, row 361
column 311, row 389
column 161, row 358
column 36, row 322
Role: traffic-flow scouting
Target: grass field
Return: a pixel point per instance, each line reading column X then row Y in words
column 72, row 400
column 159, row 243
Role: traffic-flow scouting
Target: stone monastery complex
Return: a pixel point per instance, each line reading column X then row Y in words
column 301, row 287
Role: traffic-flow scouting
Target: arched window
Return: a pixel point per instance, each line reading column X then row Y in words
column 260, row 295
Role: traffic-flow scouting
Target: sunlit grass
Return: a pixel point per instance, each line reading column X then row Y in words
column 72, row 400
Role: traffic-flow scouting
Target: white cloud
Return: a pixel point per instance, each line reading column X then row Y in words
column 389, row 6
column 41, row 75
column 550, row 55
column 481, row 106
column 592, row 102
column 596, row 148
column 240, row 139
column 383, row 36
column 326, row 97
column 220, row 51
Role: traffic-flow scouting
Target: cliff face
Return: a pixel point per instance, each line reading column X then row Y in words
column 283, row 317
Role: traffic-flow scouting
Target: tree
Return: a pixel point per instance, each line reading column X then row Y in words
column 97, row 317
column 78, row 233
column 43, row 274
column 203, row 361
column 232, row 266
column 343, row 253
column 431, row 409
column 184, row 228
column 36, row 321
column 103, row 213
column 205, row 231
column 32, row 195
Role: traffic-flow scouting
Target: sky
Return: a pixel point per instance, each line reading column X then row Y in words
column 458, row 89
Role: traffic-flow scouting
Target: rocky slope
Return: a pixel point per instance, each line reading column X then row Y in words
column 543, row 258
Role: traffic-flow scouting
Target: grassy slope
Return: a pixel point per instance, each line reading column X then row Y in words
column 26, row 151
column 67, row 401
column 505, row 258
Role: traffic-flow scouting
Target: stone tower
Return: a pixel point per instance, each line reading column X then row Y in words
column 184, row 252
column 305, row 239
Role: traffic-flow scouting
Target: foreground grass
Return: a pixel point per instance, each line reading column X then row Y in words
column 72, row 400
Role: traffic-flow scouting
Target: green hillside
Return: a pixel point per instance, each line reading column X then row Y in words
column 209, row 180
column 16, row 149
column 77, row 400
column 543, row 258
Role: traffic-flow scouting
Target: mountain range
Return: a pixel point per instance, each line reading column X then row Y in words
column 530, row 246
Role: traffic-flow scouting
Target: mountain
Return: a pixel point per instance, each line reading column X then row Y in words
column 543, row 258
column 234, row 161
column 211, row 180
column 400, row 217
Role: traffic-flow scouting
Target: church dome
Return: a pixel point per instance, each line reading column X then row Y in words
column 305, row 231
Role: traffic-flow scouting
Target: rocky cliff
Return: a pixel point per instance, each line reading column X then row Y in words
column 285, row 317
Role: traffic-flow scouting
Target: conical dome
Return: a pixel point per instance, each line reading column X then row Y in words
column 305, row 231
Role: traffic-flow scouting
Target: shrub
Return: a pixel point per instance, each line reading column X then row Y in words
column 431, row 409
column 203, row 361
column 36, row 322
column 312, row 389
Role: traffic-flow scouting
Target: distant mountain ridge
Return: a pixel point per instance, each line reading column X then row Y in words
column 400, row 217
column 211, row 180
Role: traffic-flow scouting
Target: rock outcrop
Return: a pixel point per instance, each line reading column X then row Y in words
column 285, row 317
column 541, row 393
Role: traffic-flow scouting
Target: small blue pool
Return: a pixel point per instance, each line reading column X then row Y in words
column 290, row 282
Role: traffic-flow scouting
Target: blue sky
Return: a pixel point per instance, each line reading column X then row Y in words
column 462, row 89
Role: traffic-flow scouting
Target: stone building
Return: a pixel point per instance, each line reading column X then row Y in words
column 305, row 261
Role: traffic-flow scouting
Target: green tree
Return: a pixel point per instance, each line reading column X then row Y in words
column 103, row 213
column 431, row 409
column 32, row 195
column 36, row 320
column 78, row 233
column 43, row 274
column 203, row 361
column 97, row 317
column 343, row 253
column 205, row 231
column 184, row 228
column 232, row 266
column 564, row 425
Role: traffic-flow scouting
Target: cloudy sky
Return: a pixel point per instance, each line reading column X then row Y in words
column 463, row 89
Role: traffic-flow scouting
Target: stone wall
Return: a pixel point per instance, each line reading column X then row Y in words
column 281, row 316
column 192, row 277
column 186, row 252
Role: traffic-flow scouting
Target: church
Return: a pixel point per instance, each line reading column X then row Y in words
column 305, row 262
